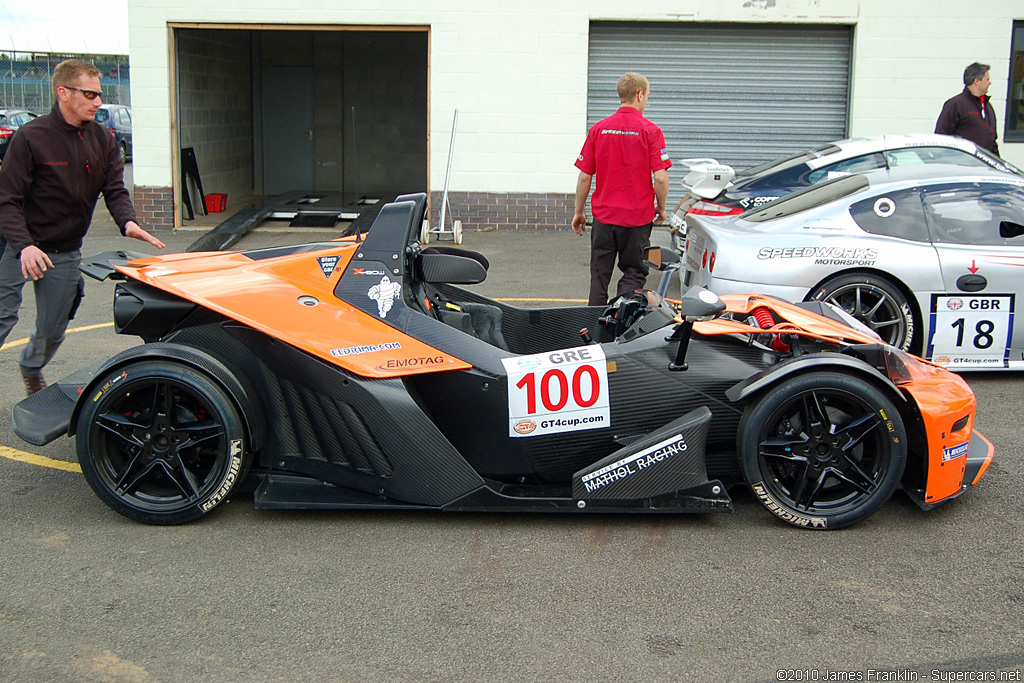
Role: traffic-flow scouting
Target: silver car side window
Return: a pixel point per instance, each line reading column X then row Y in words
column 974, row 213
column 893, row 214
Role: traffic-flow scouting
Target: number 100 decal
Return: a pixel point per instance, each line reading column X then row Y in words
column 971, row 330
column 558, row 391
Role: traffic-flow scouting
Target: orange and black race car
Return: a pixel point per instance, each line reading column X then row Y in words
column 361, row 373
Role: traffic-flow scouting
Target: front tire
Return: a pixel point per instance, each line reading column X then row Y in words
column 876, row 302
column 161, row 443
column 823, row 450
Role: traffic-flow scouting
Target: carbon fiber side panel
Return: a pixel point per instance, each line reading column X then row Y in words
column 669, row 459
column 274, row 252
column 364, row 434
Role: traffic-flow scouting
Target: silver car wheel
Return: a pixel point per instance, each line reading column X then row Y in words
column 875, row 302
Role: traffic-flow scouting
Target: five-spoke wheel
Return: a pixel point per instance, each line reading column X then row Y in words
column 161, row 443
column 822, row 450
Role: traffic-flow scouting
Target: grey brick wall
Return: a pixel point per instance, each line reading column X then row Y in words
column 505, row 210
column 155, row 207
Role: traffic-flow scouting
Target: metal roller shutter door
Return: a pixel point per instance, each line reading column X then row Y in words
column 740, row 93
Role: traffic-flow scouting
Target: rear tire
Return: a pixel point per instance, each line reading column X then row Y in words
column 124, row 153
column 161, row 443
column 876, row 302
column 822, row 450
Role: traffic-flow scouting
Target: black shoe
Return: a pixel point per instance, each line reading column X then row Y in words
column 33, row 384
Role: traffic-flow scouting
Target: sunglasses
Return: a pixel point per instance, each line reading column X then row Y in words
column 89, row 94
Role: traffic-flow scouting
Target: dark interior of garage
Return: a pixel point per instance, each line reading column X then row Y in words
column 331, row 111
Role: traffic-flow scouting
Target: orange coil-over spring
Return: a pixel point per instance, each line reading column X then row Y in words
column 766, row 320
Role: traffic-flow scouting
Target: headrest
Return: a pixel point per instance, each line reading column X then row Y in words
column 457, row 267
column 456, row 251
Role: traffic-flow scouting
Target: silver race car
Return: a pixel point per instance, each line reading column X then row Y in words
column 929, row 257
column 753, row 187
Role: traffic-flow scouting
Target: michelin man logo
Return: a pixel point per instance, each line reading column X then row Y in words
column 384, row 293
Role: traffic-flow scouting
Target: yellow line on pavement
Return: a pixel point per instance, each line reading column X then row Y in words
column 86, row 328
column 38, row 460
column 32, row 458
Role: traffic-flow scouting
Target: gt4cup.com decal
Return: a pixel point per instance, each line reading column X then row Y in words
column 559, row 391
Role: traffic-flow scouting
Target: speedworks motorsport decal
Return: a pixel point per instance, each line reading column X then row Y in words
column 823, row 256
column 635, row 463
column 558, row 391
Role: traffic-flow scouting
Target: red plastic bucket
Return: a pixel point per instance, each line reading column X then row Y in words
column 216, row 202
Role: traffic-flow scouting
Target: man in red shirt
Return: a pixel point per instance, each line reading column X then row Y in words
column 623, row 151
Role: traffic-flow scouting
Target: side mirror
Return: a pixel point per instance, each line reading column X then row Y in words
column 700, row 304
column 661, row 258
column 697, row 304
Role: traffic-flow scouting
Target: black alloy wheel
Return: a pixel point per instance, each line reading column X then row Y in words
column 874, row 301
column 161, row 443
column 823, row 450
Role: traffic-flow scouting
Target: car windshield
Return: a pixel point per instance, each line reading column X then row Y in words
column 808, row 198
column 102, row 115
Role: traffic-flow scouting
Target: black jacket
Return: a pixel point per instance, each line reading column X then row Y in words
column 50, row 179
column 964, row 115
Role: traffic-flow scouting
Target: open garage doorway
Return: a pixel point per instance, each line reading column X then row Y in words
column 330, row 110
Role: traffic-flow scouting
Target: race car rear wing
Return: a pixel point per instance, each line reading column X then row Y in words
column 706, row 178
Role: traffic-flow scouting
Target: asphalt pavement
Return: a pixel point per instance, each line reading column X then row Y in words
column 247, row 595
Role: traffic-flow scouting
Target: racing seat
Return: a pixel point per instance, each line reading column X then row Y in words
column 451, row 265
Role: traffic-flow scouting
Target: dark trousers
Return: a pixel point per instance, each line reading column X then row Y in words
column 55, row 296
column 628, row 244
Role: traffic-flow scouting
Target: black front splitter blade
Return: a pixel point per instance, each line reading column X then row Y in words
column 46, row 415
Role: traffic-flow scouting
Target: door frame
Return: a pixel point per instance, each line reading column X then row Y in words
column 172, row 46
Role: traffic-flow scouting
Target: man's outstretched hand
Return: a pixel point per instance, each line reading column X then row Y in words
column 135, row 231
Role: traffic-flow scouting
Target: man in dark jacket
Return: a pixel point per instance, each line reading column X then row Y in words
column 970, row 114
column 55, row 168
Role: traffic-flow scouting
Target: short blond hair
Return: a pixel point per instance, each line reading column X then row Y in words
column 631, row 83
column 69, row 71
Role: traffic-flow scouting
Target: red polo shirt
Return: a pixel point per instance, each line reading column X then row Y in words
column 622, row 151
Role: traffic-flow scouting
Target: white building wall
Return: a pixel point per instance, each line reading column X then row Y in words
column 517, row 69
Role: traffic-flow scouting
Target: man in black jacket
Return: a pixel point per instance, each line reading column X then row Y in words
column 970, row 114
column 55, row 168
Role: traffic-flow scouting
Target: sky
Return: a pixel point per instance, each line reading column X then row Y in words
column 64, row 26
